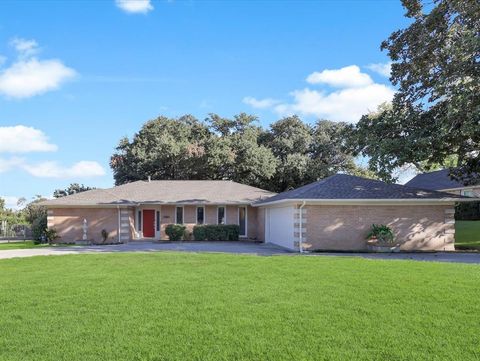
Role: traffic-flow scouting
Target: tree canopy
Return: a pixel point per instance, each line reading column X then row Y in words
column 71, row 189
column 288, row 154
column 435, row 113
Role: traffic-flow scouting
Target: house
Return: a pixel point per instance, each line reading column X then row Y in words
column 440, row 181
column 141, row 210
column 332, row 214
column 336, row 213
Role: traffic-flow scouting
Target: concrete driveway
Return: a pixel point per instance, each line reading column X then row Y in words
column 222, row 247
column 234, row 247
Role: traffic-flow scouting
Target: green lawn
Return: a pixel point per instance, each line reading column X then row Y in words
column 26, row 244
column 186, row 306
column 467, row 235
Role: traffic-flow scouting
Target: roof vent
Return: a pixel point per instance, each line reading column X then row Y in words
column 149, row 179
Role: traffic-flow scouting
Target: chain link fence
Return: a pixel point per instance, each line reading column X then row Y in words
column 13, row 232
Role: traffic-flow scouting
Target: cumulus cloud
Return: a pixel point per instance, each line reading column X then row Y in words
column 11, row 202
column 51, row 169
column 260, row 103
column 24, row 47
column 347, row 77
column 135, row 6
column 383, row 69
column 357, row 95
column 28, row 75
column 22, row 139
column 10, row 163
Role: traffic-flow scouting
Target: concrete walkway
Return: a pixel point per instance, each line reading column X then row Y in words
column 236, row 248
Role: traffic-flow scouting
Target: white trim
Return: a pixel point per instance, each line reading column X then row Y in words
column 183, row 214
column 448, row 201
column 246, row 220
column 224, row 214
column 196, row 215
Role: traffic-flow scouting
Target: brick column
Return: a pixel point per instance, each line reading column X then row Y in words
column 449, row 229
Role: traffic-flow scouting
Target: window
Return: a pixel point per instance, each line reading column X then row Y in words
column 242, row 220
column 200, row 215
column 179, row 215
column 158, row 221
column 467, row 193
column 139, row 223
column 221, row 215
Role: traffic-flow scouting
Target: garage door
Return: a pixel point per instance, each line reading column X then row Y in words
column 279, row 228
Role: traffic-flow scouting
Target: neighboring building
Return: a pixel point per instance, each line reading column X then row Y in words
column 336, row 213
column 332, row 214
column 141, row 210
column 440, row 181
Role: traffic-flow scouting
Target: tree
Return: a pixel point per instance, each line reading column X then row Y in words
column 71, row 189
column 2, row 204
column 436, row 110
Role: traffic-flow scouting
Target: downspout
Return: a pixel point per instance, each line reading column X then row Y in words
column 300, row 239
column 118, row 232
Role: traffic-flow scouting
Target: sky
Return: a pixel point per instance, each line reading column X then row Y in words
column 76, row 76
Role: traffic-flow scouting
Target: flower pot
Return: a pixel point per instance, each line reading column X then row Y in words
column 374, row 245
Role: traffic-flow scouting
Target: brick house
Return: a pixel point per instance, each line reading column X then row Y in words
column 332, row 214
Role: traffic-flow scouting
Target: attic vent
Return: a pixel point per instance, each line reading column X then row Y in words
column 149, row 179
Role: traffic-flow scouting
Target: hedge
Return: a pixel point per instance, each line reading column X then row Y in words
column 213, row 232
column 469, row 211
column 175, row 232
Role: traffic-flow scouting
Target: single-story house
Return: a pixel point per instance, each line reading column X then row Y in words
column 141, row 210
column 440, row 181
column 332, row 214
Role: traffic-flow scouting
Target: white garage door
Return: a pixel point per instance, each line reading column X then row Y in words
column 279, row 227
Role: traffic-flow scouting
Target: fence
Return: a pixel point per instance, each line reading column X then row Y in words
column 12, row 232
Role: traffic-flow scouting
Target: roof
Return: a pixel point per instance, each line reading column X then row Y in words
column 436, row 180
column 166, row 192
column 348, row 187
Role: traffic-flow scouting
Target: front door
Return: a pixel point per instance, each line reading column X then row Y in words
column 148, row 223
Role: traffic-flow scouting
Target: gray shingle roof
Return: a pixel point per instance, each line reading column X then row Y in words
column 435, row 181
column 348, row 187
column 167, row 192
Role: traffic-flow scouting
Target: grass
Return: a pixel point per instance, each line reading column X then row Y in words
column 27, row 245
column 186, row 306
column 467, row 235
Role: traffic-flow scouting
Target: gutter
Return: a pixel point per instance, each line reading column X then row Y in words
column 118, row 229
column 300, row 239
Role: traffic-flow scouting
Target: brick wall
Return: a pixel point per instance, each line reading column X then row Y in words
column 345, row 227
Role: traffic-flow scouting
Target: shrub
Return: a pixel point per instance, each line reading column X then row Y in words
column 51, row 235
column 39, row 225
column 381, row 233
column 214, row 232
column 104, row 235
column 175, row 232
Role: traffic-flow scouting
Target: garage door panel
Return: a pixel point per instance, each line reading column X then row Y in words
column 280, row 226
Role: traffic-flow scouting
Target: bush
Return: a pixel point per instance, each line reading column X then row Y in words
column 51, row 235
column 469, row 211
column 104, row 234
column 382, row 233
column 214, row 232
column 175, row 232
column 39, row 225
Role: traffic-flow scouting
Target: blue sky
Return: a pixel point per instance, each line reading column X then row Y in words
column 76, row 76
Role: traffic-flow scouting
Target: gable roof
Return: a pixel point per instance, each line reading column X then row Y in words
column 348, row 187
column 436, row 180
column 166, row 192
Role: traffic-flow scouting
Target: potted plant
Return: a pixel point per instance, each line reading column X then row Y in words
column 380, row 238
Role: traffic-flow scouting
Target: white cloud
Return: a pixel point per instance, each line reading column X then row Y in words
column 358, row 95
column 343, row 105
column 10, row 163
column 28, row 75
column 51, row 169
column 22, row 139
column 10, row 202
column 27, row 78
column 135, row 6
column 347, row 77
column 24, row 47
column 260, row 103
column 383, row 69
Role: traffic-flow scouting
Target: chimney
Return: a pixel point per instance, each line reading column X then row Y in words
column 149, row 179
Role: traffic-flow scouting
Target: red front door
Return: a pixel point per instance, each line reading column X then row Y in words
column 148, row 223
